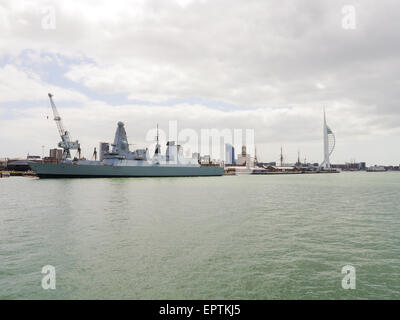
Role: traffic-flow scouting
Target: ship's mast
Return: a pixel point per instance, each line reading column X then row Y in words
column 94, row 154
column 157, row 133
column 158, row 148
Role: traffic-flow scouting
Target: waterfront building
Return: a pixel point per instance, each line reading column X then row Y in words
column 56, row 154
column 249, row 161
column 376, row 168
column 261, row 164
column 350, row 166
column 241, row 161
column 21, row 164
column 229, row 154
column 3, row 163
column 242, row 157
column 31, row 157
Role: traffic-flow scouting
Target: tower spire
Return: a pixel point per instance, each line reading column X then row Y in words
column 329, row 143
column 298, row 157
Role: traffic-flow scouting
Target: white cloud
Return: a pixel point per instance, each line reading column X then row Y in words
column 17, row 85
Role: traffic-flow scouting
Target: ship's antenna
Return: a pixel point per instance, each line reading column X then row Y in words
column 94, row 154
column 157, row 151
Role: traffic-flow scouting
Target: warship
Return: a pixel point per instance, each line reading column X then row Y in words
column 120, row 161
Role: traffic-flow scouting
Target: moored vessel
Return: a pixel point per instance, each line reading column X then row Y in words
column 120, row 161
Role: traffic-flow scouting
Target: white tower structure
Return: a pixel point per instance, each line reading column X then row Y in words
column 329, row 144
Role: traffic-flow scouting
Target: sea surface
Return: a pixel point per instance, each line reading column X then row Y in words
column 231, row 237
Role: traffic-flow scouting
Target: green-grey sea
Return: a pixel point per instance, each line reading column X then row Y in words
column 230, row 237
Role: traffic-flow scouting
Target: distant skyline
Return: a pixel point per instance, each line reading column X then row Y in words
column 270, row 66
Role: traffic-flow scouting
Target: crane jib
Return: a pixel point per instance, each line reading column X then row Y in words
column 66, row 144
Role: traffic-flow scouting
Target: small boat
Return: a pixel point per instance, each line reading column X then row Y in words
column 29, row 174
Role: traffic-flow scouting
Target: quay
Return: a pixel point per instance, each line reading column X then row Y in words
column 6, row 174
column 231, row 172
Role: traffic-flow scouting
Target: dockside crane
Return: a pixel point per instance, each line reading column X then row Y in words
column 66, row 144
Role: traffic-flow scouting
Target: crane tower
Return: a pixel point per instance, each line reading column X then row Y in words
column 66, row 144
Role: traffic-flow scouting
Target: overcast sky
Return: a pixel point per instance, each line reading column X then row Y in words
column 270, row 66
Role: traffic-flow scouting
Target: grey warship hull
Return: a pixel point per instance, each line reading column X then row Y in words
column 68, row 170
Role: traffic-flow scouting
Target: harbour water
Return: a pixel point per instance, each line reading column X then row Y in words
column 231, row 237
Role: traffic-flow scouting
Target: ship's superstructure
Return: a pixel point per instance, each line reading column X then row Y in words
column 120, row 148
column 121, row 154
